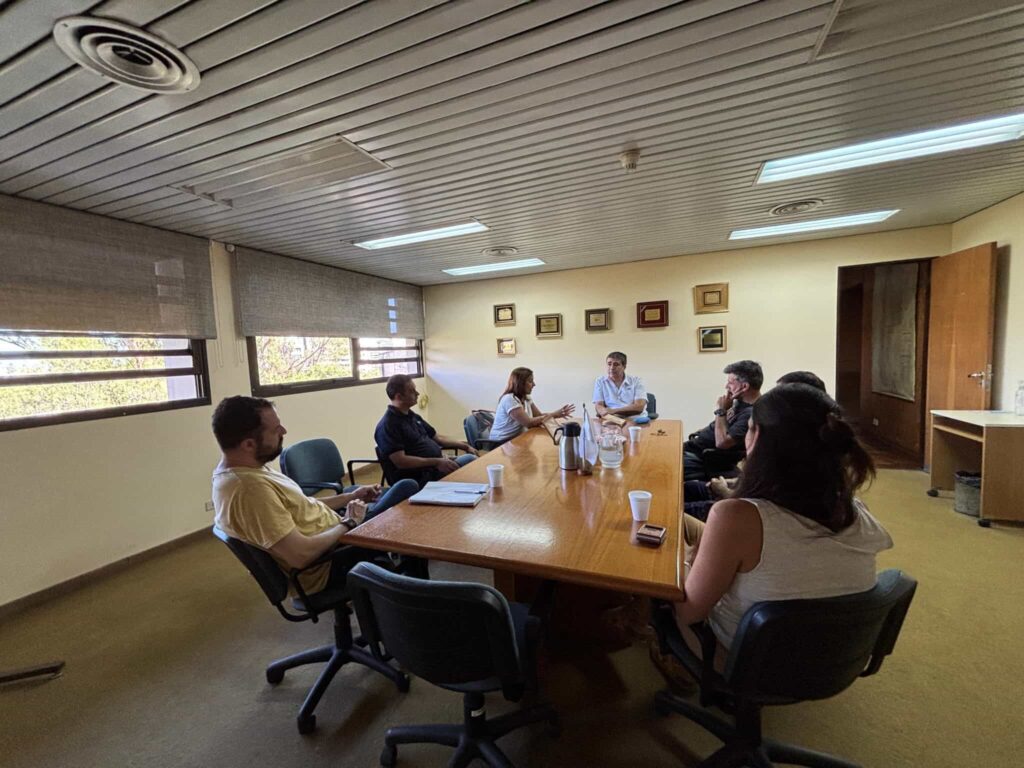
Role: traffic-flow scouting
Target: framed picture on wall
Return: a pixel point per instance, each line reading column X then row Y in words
column 652, row 314
column 713, row 297
column 549, row 326
column 711, row 338
column 506, row 347
column 504, row 314
column 597, row 319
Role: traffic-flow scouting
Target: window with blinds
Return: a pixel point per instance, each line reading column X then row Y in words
column 51, row 378
column 282, row 365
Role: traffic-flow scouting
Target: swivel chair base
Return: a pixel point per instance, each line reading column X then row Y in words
column 474, row 738
column 342, row 652
column 744, row 745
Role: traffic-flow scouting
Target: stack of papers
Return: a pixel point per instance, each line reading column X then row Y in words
column 451, row 494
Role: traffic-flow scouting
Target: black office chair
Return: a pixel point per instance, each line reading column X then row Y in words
column 274, row 583
column 463, row 637
column 317, row 465
column 477, row 427
column 785, row 652
column 652, row 406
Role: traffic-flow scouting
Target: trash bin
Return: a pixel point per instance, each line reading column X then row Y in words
column 967, row 493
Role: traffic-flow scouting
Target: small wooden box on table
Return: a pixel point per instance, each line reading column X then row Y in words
column 989, row 442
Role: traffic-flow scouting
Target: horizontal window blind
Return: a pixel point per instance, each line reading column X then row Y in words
column 278, row 296
column 66, row 270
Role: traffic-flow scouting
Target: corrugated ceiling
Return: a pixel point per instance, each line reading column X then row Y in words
column 513, row 113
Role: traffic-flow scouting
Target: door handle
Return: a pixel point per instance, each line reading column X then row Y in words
column 976, row 375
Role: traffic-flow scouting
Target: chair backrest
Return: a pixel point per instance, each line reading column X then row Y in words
column 477, row 426
column 447, row 633
column 387, row 467
column 313, row 461
column 813, row 649
column 261, row 565
column 652, row 405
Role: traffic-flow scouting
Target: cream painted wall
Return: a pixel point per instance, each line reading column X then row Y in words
column 80, row 496
column 782, row 302
column 1003, row 224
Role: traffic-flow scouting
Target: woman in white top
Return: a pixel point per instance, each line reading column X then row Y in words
column 793, row 528
column 516, row 411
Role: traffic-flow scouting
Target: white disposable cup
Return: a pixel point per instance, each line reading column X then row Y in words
column 634, row 434
column 640, row 505
column 496, row 475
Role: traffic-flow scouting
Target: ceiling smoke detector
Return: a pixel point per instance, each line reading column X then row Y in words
column 126, row 54
column 797, row 207
column 500, row 252
column 629, row 160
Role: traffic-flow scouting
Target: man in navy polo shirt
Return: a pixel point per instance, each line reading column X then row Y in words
column 409, row 442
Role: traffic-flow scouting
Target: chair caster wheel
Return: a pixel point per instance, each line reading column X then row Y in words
column 307, row 724
column 389, row 756
column 275, row 676
column 402, row 683
column 933, row 492
column 985, row 523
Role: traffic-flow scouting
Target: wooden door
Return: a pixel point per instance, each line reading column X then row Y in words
column 960, row 330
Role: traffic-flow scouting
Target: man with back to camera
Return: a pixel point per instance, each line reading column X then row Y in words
column 409, row 442
column 617, row 394
column 269, row 510
column 732, row 417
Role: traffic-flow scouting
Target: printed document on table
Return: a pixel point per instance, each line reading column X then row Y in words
column 451, row 494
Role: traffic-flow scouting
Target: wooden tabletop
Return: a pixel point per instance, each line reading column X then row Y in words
column 554, row 524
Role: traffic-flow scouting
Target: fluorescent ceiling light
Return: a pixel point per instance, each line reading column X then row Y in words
column 498, row 267
column 421, row 237
column 897, row 148
column 797, row 227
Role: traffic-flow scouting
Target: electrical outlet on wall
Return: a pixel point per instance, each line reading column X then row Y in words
column 209, row 506
column 874, row 422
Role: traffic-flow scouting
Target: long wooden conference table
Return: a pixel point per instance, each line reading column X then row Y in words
column 552, row 524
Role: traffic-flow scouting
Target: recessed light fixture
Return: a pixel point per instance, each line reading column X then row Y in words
column 919, row 144
column 853, row 220
column 466, row 228
column 498, row 267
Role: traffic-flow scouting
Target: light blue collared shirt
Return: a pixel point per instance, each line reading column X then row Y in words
column 631, row 389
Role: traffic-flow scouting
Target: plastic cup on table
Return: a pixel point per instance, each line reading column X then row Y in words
column 496, row 475
column 634, row 434
column 640, row 505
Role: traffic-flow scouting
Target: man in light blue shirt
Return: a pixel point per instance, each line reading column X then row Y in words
column 616, row 393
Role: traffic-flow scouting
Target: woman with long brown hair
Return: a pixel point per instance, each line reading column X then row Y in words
column 794, row 527
column 516, row 411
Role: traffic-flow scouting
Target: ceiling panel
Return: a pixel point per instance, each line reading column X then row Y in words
column 513, row 113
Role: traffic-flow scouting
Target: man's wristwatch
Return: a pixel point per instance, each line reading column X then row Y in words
column 720, row 412
column 349, row 523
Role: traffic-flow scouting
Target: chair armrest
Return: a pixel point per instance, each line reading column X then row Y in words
column 351, row 467
column 721, row 459
column 483, row 444
column 336, row 487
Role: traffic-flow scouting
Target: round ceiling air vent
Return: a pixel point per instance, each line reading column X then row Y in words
column 799, row 206
column 500, row 252
column 125, row 54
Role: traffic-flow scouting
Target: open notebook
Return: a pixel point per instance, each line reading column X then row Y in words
column 451, row 494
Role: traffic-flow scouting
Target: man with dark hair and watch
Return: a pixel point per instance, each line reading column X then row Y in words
column 732, row 416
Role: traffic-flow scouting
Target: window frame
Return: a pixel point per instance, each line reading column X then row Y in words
column 317, row 385
column 200, row 368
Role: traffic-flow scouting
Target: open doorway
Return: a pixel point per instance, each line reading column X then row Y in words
column 881, row 357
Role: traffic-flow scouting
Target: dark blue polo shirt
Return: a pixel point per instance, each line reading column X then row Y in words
column 397, row 431
column 738, row 418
